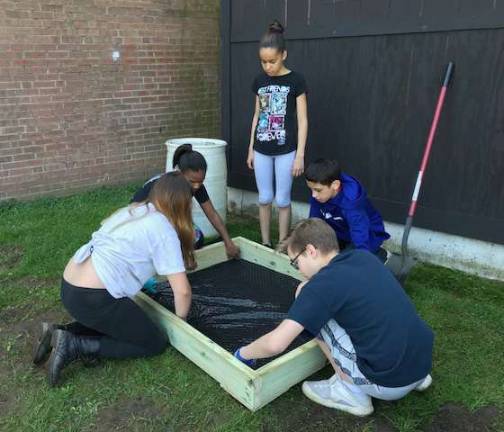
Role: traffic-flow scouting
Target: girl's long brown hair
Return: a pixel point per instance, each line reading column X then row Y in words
column 172, row 196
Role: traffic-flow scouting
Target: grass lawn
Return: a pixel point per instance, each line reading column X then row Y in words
column 169, row 393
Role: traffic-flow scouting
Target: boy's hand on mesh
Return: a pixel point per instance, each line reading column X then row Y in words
column 249, row 362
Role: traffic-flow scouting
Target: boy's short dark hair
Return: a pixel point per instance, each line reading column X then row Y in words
column 312, row 231
column 323, row 171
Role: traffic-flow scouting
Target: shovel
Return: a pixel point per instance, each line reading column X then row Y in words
column 400, row 265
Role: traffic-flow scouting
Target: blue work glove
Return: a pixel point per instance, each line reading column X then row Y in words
column 249, row 363
column 150, row 285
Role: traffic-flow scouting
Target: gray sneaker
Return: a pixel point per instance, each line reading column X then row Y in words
column 333, row 393
column 425, row 384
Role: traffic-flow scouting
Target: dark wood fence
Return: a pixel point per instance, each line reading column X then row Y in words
column 374, row 68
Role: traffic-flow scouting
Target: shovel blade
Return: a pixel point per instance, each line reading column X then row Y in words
column 394, row 265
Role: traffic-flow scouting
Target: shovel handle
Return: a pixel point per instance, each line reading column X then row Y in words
column 423, row 166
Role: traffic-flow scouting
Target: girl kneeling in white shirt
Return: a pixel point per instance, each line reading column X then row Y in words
column 132, row 245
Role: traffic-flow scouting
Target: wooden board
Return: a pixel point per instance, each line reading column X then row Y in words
column 253, row 388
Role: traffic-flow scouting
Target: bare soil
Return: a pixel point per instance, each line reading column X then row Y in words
column 10, row 256
column 135, row 414
column 19, row 331
column 455, row 418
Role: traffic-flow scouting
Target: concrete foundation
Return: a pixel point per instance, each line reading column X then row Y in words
column 447, row 250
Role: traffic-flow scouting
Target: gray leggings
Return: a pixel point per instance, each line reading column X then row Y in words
column 263, row 169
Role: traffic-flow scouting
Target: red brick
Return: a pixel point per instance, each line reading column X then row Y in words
column 72, row 118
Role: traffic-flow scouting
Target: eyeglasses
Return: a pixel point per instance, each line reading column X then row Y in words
column 293, row 262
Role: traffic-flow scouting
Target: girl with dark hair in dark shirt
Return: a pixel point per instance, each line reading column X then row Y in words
column 193, row 167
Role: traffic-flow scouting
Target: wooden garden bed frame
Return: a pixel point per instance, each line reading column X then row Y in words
column 253, row 388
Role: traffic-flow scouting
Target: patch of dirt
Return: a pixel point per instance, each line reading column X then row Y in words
column 10, row 256
column 14, row 314
column 17, row 337
column 380, row 424
column 127, row 415
column 456, row 418
column 19, row 332
column 30, row 282
column 326, row 419
column 14, row 318
column 7, row 402
column 19, row 325
column 305, row 415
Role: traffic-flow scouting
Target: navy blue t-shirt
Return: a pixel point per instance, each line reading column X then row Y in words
column 392, row 343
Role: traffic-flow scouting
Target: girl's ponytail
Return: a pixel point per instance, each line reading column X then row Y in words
column 276, row 27
column 274, row 38
column 185, row 158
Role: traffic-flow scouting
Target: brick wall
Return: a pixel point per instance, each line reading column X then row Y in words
column 71, row 117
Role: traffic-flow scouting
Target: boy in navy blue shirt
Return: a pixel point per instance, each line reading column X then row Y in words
column 364, row 323
column 342, row 202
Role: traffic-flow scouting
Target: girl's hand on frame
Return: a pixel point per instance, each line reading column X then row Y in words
column 250, row 159
column 298, row 166
column 232, row 251
column 192, row 265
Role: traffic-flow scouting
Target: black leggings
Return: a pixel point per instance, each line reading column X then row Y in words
column 124, row 329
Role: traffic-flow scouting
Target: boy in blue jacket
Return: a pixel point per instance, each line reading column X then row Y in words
column 341, row 201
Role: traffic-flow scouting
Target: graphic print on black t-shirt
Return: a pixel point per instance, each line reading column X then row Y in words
column 272, row 110
column 276, row 130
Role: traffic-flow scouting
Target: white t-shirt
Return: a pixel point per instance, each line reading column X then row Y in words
column 132, row 245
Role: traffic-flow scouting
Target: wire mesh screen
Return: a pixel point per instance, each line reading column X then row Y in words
column 235, row 302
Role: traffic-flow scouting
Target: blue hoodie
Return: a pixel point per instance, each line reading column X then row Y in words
column 352, row 216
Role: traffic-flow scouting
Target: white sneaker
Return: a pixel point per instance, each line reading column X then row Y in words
column 425, row 384
column 333, row 393
column 389, row 254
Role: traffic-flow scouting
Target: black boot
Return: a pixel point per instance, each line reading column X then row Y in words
column 43, row 348
column 67, row 348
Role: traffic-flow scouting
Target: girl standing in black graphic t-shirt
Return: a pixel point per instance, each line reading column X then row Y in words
column 279, row 130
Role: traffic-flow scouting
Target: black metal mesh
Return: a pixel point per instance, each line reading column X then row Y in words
column 235, row 302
